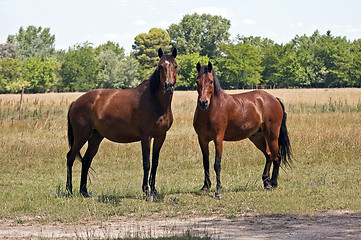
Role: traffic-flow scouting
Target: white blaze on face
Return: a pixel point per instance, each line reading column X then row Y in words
column 166, row 62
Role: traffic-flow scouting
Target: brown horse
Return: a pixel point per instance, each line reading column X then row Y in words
column 256, row 115
column 124, row 116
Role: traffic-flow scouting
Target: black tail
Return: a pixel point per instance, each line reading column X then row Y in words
column 283, row 140
column 70, row 133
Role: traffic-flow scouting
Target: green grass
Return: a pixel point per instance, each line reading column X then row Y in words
column 325, row 175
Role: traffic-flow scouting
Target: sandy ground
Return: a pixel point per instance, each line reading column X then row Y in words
column 338, row 225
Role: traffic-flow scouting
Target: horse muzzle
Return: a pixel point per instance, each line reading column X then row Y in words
column 203, row 104
column 168, row 88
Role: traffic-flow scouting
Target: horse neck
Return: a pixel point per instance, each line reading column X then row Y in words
column 216, row 99
column 164, row 100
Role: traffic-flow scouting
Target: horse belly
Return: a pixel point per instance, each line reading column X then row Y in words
column 240, row 132
column 119, row 131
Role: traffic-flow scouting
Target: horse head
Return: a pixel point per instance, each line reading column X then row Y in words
column 167, row 69
column 207, row 85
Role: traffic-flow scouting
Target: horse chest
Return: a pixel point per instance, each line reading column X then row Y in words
column 163, row 123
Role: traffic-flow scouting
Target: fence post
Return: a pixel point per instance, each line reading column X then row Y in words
column 21, row 103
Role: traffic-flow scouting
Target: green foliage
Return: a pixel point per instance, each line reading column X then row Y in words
column 11, row 79
column 29, row 59
column 146, row 47
column 7, row 50
column 34, row 41
column 40, row 74
column 200, row 34
column 240, row 65
column 187, row 69
column 117, row 74
column 80, row 68
column 113, row 47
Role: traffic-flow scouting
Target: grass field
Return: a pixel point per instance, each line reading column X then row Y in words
column 325, row 132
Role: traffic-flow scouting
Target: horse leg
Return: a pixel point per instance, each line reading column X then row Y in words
column 275, row 156
column 157, row 145
column 145, row 142
column 205, row 153
column 260, row 142
column 217, row 165
column 70, row 161
column 71, row 155
column 93, row 146
column 272, row 145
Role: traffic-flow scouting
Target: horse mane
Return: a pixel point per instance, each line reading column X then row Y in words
column 154, row 81
column 217, row 85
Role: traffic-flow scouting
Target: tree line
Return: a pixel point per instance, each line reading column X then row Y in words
column 29, row 59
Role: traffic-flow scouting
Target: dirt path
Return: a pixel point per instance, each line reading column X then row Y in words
column 324, row 226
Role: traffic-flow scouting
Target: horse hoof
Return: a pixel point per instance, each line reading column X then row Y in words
column 85, row 194
column 155, row 193
column 218, row 196
column 268, row 187
column 149, row 198
column 204, row 189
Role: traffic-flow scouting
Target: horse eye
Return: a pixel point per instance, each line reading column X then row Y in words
column 175, row 66
column 211, row 82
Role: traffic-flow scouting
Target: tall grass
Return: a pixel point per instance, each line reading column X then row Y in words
column 324, row 177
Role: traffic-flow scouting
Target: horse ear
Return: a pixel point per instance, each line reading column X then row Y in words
column 160, row 52
column 210, row 67
column 198, row 66
column 174, row 53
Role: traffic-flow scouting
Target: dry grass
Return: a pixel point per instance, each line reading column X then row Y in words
column 325, row 176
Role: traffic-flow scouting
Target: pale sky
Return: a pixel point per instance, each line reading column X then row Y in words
column 120, row 21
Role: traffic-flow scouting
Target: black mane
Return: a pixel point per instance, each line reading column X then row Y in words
column 217, row 86
column 154, row 81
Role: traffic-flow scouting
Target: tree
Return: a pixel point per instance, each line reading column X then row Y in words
column 129, row 74
column 199, row 34
column 32, row 42
column 146, row 47
column 240, row 66
column 355, row 69
column 187, row 70
column 80, row 68
column 40, row 74
column 112, row 47
column 11, row 79
column 7, row 50
column 115, row 73
column 270, row 54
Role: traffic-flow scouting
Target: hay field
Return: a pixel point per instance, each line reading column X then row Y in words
column 325, row 133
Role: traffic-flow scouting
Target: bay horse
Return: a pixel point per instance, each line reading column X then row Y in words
column 124, row 116
column 256, row 115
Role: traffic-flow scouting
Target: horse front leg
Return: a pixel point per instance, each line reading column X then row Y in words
column 145, row 142
column 217, row 165
column 205, row 153
column 157, row 145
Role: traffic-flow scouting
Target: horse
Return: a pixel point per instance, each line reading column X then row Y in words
column 124, row 116
column 256, row 115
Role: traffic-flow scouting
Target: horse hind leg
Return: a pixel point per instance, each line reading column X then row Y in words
column 259, row 141
column 71, row 155
column 93, row 146
column 272, row 145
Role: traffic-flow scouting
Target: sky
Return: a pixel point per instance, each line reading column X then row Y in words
column 73, row 22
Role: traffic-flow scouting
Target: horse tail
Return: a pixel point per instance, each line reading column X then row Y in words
column 283, row 140
column 70, row 133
